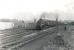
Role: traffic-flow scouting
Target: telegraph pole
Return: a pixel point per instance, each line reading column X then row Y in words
column 56, row 23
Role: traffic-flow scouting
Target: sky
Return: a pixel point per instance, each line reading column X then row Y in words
column 27, row 9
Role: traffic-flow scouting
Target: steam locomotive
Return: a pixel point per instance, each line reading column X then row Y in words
column 43, row 24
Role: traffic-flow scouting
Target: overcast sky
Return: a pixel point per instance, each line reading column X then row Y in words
column 21, row 8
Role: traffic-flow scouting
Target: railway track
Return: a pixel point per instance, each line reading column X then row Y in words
column 28, row 38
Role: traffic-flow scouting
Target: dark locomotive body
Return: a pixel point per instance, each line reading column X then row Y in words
column 43, row 24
